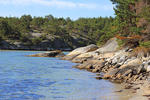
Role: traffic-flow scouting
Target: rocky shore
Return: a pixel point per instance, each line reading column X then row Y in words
column 117, row 65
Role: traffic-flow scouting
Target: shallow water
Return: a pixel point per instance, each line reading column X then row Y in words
column 31, row 78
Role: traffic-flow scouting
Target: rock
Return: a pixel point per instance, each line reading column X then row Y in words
column 79, row 60
column 110, row 46
column 133, row 63
column 140, row 69
column 80, row 66
column 56, row 53
column 128, row 86
column 111, row 73
column 118, row 76
column 117, row 66
column 84, row 66
column 122, row 59
column 119, row 91
column 146, row 65
column 87, row 55
column 98, row 77
column 95, row 70
column 89, row 66
column 129, row 76
column 107, row 55
column 80, row 51
column 130, row 59
column 114, row 61
column 127, row 73
column 135, row 77
column 130, row 50
column 148, row 62
column 148, row 68
column 69, row 57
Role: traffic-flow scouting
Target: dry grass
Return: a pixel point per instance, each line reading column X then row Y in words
column 131, row 37
column 140, row 52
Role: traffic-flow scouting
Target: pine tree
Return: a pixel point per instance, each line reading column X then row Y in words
column 125, row 16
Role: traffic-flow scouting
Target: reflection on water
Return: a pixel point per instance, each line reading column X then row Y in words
column 30, row 78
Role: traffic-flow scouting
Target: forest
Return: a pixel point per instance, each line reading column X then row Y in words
column 132, row 20
column 21, row 29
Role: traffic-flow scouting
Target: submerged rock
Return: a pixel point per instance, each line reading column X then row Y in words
column 56, row 53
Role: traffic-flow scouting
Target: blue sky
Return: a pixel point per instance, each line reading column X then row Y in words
column 58, row 8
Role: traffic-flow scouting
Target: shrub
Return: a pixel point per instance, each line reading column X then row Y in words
column 145, row 44
column 120, row 42
column 36, row 41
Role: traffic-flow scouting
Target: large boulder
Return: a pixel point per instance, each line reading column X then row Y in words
column 56, row 53
column 79, row 51
column 110, row 46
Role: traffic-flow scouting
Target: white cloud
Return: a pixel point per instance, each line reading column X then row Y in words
column 58, row 4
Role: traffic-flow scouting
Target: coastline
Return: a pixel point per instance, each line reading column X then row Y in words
column 111, row 64
column 115, row 65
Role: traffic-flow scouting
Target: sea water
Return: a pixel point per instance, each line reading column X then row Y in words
column 44, row 78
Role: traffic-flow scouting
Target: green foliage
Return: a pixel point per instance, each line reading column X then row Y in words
column 92, row 29
column 126, row 17
column 145, row 44
column 25, row 23
column 37, row 22
column 120, row 42
column 5, row 29
column 36, row 41
column 145, row 13
column 24, row 37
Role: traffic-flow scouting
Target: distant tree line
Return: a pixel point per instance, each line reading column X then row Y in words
column 20, row 29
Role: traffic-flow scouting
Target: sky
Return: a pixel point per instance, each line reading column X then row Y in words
column 58, row 8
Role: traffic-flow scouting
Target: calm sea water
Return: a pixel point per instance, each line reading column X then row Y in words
column 31, row 78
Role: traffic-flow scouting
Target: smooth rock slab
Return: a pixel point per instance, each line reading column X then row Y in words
column 80, row 51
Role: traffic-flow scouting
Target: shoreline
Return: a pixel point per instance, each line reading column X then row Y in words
column 111, row 63
column 117, row 66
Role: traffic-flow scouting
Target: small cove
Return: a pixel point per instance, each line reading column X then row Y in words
column 31, row 78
